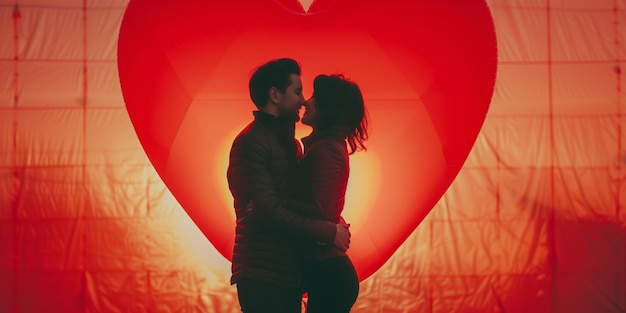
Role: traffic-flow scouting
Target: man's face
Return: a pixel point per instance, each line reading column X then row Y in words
column 292, row 100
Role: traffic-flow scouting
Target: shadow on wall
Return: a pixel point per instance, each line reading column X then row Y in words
column 585, row 268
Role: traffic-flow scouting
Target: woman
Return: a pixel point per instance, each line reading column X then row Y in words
column 336, row 112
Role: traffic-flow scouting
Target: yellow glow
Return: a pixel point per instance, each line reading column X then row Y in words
column 222, row 167
column 363, row 187
column 191, row 247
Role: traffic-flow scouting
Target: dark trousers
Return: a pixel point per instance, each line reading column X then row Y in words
column 333, row 286
column 258, row 296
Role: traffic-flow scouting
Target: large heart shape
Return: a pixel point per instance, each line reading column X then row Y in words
column 426, row 68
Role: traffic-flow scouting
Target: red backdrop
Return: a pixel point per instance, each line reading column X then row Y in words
column 534, row 221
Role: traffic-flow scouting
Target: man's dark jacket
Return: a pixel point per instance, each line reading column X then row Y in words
column 263, row 169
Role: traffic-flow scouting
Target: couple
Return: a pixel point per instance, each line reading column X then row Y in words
column 290, row 237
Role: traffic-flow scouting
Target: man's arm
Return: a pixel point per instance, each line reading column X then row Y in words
column 305, row 208
column 250, row 169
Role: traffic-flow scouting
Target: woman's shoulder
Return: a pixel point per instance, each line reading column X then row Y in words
column 326, row 149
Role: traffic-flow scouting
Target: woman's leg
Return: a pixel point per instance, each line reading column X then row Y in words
column 333, row 286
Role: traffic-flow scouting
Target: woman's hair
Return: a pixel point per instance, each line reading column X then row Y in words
column 340, row 104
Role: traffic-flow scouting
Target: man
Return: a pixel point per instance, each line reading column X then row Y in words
column 262, row 170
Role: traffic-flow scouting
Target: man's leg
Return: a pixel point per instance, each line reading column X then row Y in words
column 257, row 296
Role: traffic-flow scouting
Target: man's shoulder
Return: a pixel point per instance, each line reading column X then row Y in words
column 254, row 134
column 253, row 131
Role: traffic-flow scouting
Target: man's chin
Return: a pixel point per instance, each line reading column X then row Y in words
column 295, row 116
column 289, row 117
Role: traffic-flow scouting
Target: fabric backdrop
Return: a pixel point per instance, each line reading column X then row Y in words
column 534, row 222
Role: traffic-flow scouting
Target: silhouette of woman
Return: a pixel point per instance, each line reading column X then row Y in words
column 337, row 115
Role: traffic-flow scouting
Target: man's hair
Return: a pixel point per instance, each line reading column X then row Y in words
column 339, row 103
column 275, row 73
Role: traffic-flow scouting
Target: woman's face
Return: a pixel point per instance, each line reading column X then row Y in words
column 310, row 113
